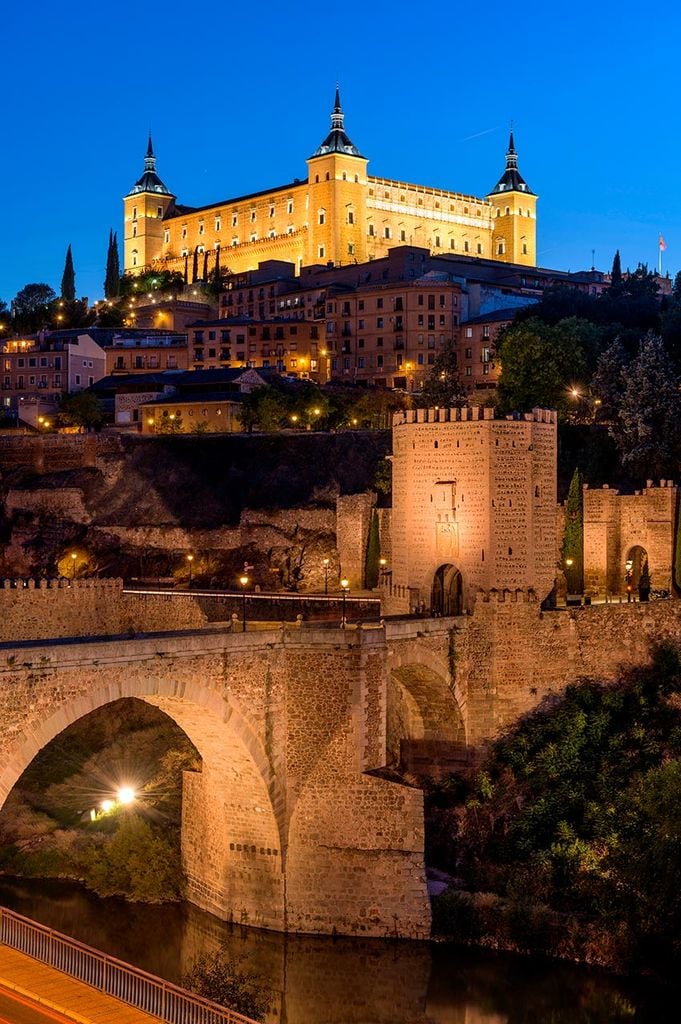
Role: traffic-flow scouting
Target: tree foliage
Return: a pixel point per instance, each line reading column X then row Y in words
column 81, row 409
column 31, row 307
column 220, row 976
column 573, row 538
column 373, row 554
column 541, row 363
column 138, row 863
column 648, row 429
column 112, row 280
column 68, row 280
column 577, row 810
column 443, row 385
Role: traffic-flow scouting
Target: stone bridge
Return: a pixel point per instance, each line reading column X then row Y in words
column 288, row 825
column 293, row 823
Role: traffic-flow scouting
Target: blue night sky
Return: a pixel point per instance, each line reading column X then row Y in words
column 237, row 96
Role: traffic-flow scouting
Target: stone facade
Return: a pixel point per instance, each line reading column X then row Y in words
column 615, row 525
column 474, row 500
column 50, row 609
column 283, row 828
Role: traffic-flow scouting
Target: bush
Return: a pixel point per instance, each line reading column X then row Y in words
column 219, row 976
column 138, row 863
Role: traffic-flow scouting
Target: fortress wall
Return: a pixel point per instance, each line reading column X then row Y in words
column 509, row 655
column 50, row 609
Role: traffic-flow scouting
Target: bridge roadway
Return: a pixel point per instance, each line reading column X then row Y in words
column 33, row 993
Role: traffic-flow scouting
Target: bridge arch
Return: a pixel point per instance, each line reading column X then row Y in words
column 425, row 707
column 233, row 827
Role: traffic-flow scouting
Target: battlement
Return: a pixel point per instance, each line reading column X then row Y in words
column 19, row 586
column 469, row 414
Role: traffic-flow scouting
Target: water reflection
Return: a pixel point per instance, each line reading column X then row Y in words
column 346, row 981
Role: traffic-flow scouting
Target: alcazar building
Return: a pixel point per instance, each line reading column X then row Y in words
column 339, row 214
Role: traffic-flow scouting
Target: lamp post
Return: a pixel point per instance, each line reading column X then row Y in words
column 345, row 584
column 190, row 559
column 325, row 563
column 74, row 556
column 243, row 580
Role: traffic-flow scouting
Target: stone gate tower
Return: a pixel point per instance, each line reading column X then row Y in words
column 474, row 502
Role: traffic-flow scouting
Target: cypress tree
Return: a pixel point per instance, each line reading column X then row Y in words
column 573, row 538
column 204, row 275
column 371, row 565
column 186, row 268
column 112, row 279
column 195, row 266
column 616, row 273
column 68, row 280
column 677, row 550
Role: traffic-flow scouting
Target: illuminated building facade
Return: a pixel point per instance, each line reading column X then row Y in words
column 338, row 215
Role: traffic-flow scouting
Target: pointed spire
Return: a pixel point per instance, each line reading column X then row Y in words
column 150, row 181
column 337, row 141
column 511, row 180
column 337, row 115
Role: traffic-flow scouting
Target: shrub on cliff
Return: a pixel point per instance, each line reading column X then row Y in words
column 577, row 810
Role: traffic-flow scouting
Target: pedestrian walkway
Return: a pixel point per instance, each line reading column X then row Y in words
column 58, row 992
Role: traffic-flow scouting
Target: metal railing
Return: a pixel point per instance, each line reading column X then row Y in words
column 113, row 977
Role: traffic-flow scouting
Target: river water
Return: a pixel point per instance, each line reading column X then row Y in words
column 316, row 980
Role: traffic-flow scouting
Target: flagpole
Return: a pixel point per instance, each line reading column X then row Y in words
column 659, row 257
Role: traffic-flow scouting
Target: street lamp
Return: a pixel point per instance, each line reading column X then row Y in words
column 74, row 556
column 190, row 559
column 344, row 589
column 243, row 580
column 325, row 563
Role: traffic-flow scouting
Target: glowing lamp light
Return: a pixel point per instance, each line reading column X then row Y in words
column 126, row 795
column 243, row 580
column 344, row 583
column 569, row 562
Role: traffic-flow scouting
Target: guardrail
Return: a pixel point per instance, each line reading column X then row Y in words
column 113, row 977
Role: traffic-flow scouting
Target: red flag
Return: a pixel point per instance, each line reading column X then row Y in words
column 663, row 244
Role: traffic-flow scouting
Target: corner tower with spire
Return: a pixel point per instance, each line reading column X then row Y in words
column 337, row 180
column 514, row 214
column 145, row 206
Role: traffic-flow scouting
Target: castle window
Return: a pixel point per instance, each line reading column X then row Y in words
column 437, row 241
column 500, row 249
column 184, row 252
column 524, row 248
column 159, row 211
column 184, row 230
column 420, row 201
column 479, row 249
column 316, row 179
column 289, row 229
column 351, row 217
column 272, row 211
column 134, row 257
column 466, row 246
column 498, row 212
column 370, row 230
column 134, row 231
column 345, row 177
column 508, row 210
column 321, row 252
column 201, row 227
column 253, row 236
column 252, row 215
column 166, row 236
column 134, row 213
column 465, row 209
column 272, row 233
column 327, row 176
column 218, row 223
column 235, row 220
column 289, row 206
column 351, row 249
column 386, row 232
column 356, row 179
column 536, row 491
column 452, row 243
column 479, row 213
column 437, row 206
column 436, row 444
column 510, row 551
column 403, row 235
column 483, row 555
column 322, row 216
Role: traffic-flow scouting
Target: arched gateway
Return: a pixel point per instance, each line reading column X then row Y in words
column 283, row 828
column 447, row 591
